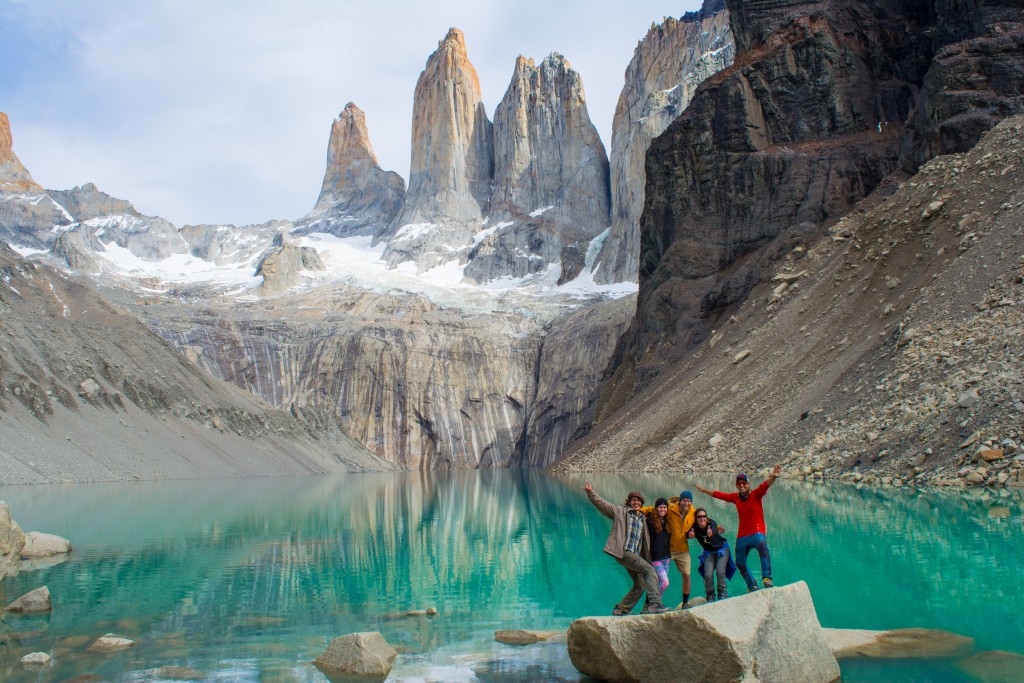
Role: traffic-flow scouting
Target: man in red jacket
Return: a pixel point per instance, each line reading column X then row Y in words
column 751, row 531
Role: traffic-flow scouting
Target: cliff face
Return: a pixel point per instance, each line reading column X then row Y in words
column 667, row 66
column 357, row 196
column 808, row 121
column 14, row 177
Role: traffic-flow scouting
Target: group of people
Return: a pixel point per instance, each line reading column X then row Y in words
column 647, row 540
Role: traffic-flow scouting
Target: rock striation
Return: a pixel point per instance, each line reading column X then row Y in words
column 357, row 197
column 770, row 636
column 452, row 159
column 667, row 66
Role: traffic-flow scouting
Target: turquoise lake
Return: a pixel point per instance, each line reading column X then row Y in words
column 249, row 579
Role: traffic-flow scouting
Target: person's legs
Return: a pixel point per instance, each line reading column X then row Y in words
column 629, row 601
column 708, row 571
column 723, row 583
column 661, row 567
column 646, row 580
column 682, row 561
column 766, row 560
column 743, row 547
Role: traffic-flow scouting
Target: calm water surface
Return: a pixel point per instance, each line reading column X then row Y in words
column 247, row 580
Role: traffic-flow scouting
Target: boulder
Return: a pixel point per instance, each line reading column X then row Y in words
column 12, row 540
column 358, row 654
column 31, row 602
column 896, row 644
column 770, row 635
column 44, row 545
column 525, row 637
column 110, row 643
column 35, row 659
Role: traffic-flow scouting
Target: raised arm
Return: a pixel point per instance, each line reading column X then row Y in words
column 602, row 505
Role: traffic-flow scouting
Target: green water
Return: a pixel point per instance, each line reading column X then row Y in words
column 247, row 580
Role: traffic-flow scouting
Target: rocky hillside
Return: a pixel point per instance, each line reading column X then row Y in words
column 88, row 393
column 805, row 299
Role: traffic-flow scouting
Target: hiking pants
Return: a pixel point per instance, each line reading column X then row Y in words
column 715, row 566
column 743, row 547
column 645, row 579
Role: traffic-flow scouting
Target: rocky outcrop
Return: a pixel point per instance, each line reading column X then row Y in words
column 12, row 540
column 88, row 202
column 667, row 66
column 357, row 196
column 357, row 654
column 771, row 636
column 283, row 263
column 452, row 159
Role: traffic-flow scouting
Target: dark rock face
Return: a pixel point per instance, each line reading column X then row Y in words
column 809, row 120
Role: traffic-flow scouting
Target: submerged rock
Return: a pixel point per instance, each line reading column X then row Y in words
column 359, row 654
column 525, row 637
column 770, row 635
column 35, row 659
column 111, row 643
column 993, row 666
column 896, row 644
column 33, row 601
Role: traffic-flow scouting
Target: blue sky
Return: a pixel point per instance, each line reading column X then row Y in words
column 219, row 111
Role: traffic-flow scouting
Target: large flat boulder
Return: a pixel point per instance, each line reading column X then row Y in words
column 357, row 654
column 896, row 644
column 771, row 636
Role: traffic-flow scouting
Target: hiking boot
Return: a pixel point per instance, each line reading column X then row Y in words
column 768, row 583
column 710, row 597
column 660, row 609
column 619, row 612
column 722, row 595
column 751, row 589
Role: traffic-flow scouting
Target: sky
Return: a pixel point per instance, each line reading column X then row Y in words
column 219, row 111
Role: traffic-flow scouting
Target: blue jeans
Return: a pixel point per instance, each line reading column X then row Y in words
column 744, row 545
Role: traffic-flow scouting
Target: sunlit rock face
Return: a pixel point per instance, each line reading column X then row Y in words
column 452, row 160
column 667, row 66
column 357, row 197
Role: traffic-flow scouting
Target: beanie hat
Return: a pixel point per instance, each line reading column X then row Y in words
column 661, row 501
column 686, row 494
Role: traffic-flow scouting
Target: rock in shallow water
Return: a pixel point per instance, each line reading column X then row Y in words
column 359, row 654
column 44, row 545
column 110, row 643
column 896, row 644
column 33, row 601
column 770, row 635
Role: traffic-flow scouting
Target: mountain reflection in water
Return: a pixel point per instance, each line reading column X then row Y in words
column 249, row 579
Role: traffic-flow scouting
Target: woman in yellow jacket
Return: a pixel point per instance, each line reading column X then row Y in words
column 680, row 521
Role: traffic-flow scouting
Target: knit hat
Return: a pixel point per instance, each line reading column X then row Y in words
column 742, row 477
column 686, row 494
column 635, row 494
column 661, row 501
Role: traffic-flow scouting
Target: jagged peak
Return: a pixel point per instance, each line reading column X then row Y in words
column 350, row 138
column 454, row 37
column 6, row 142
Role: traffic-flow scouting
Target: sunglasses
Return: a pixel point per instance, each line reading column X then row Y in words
column 702, row 516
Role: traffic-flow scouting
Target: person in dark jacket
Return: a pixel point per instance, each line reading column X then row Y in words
column 661, row 550
column 630, row 544
column 716, row 560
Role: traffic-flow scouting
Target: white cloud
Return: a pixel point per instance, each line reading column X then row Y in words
column 220, row 111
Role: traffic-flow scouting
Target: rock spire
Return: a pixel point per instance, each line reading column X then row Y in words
column 357, row 197
column 547, row 153
column 14, row 177
column 452, row 155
